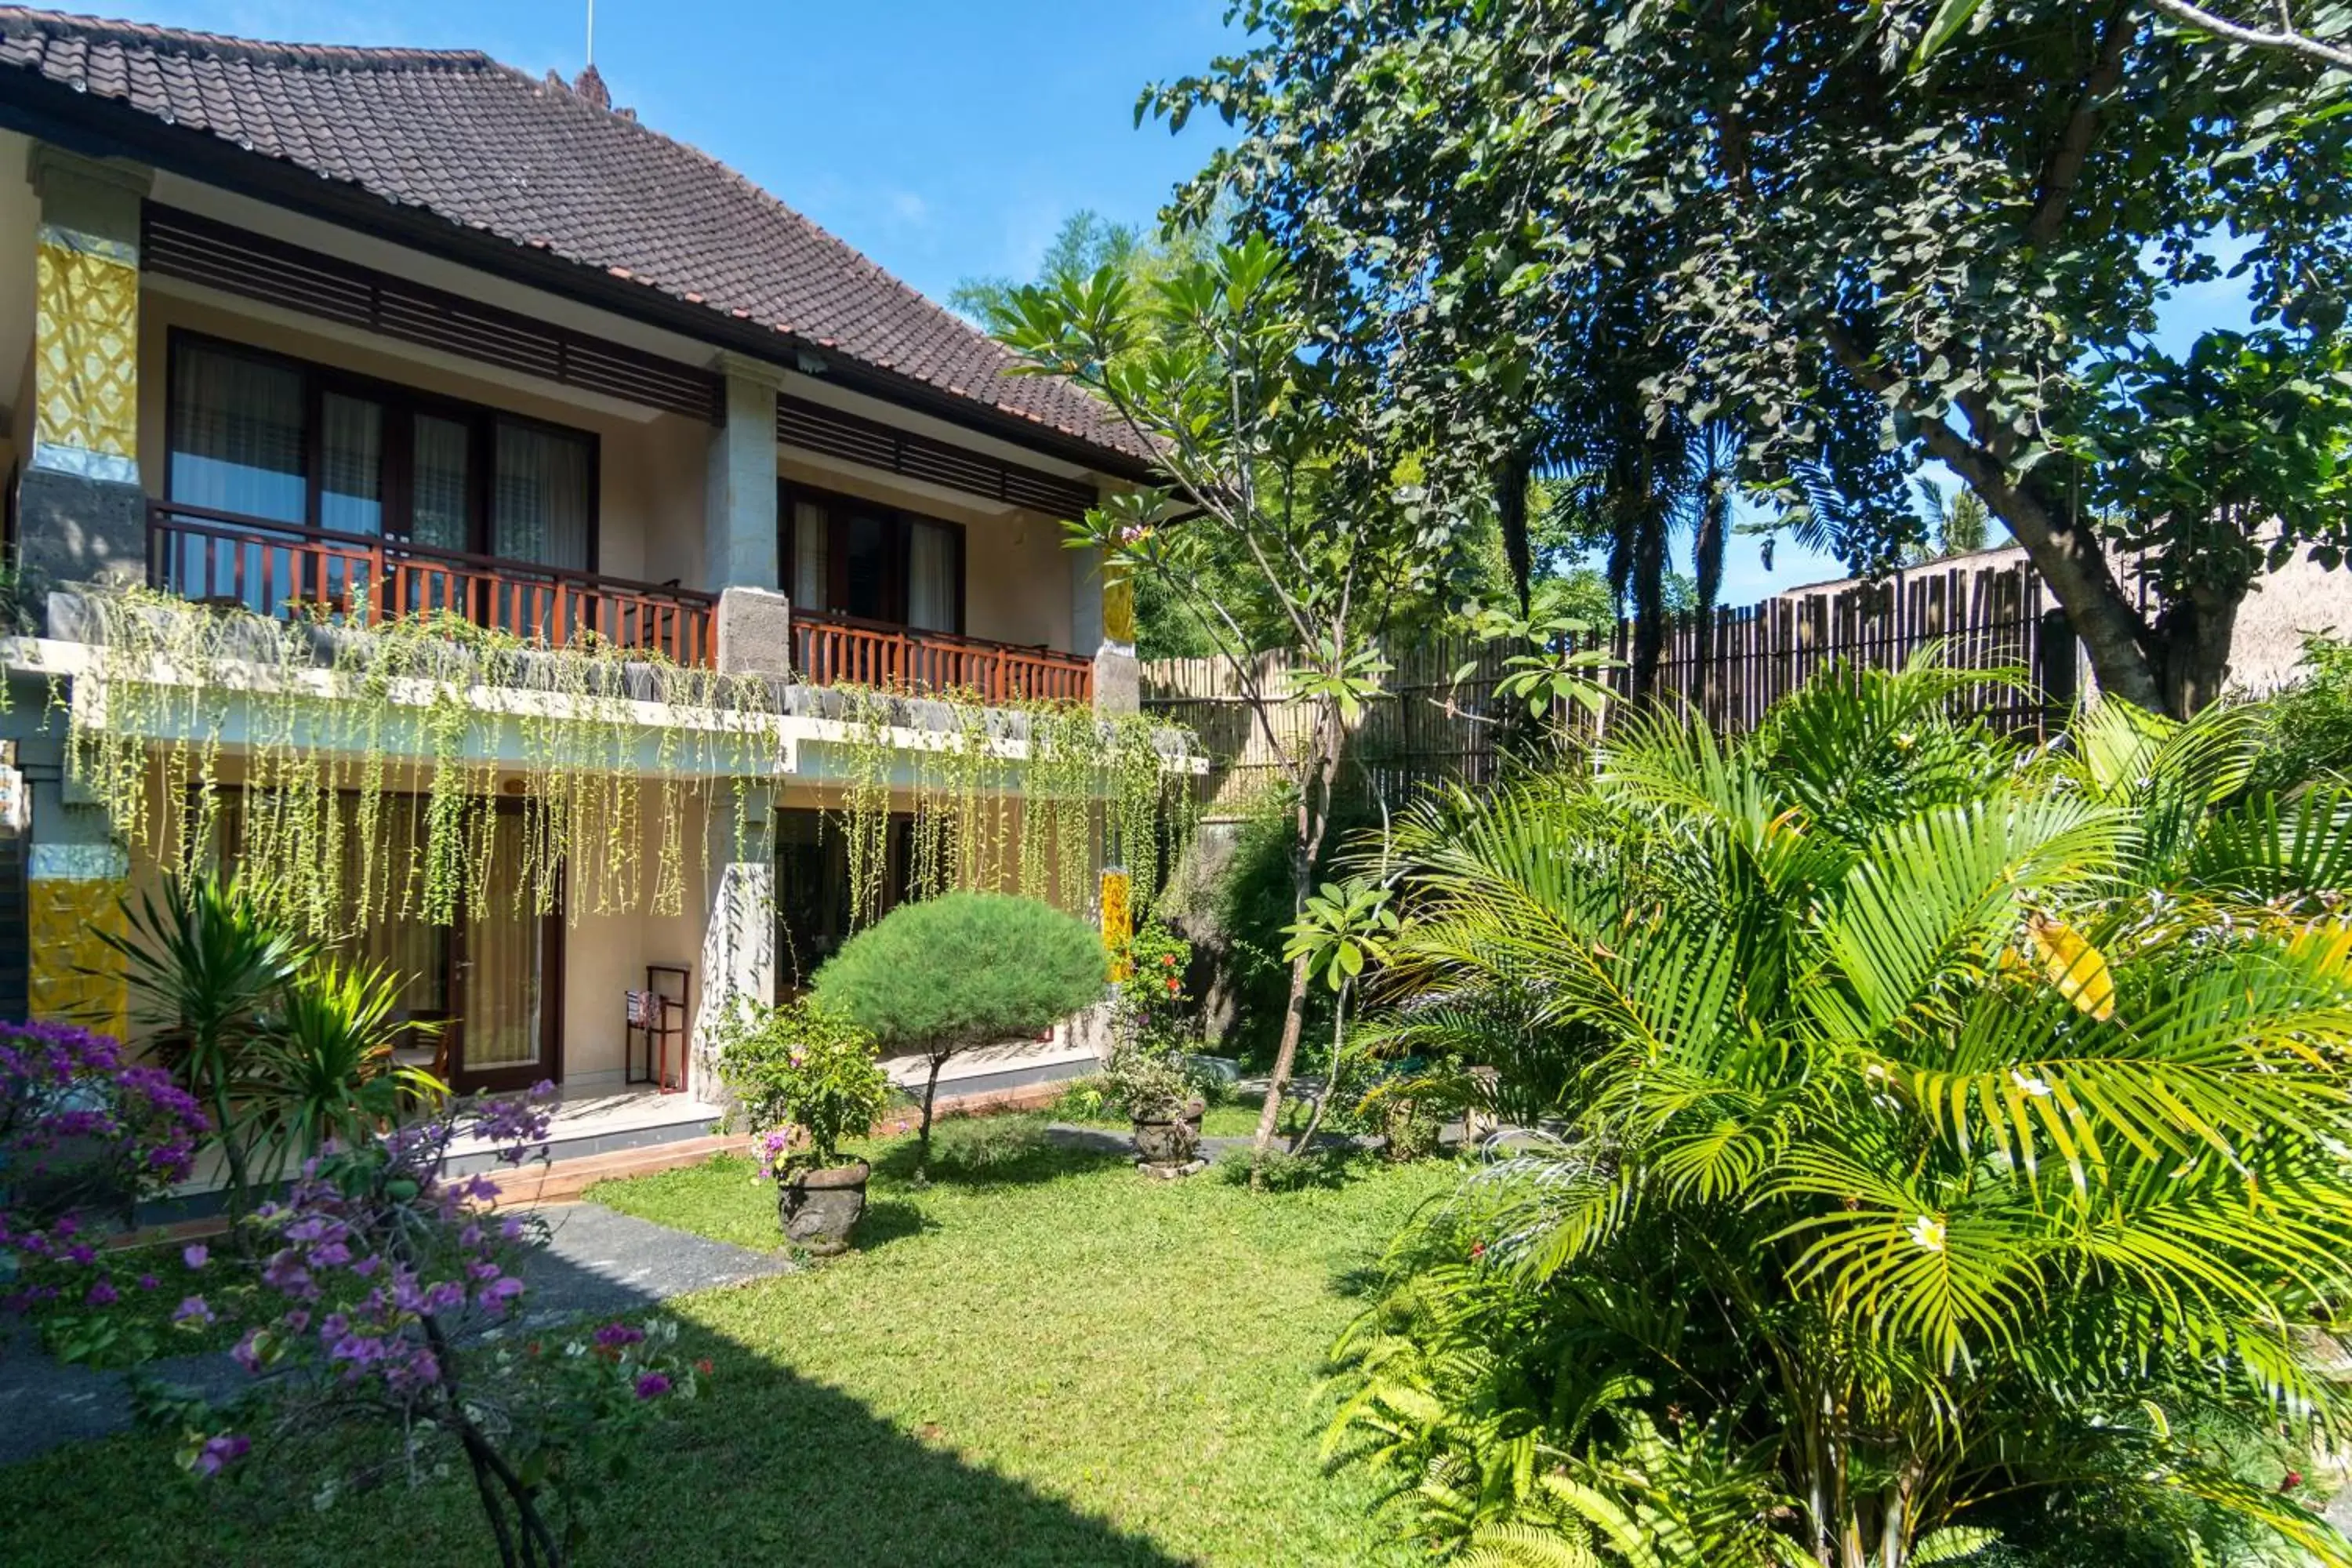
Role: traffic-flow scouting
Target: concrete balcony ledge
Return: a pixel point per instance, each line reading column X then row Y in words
column 247, row 654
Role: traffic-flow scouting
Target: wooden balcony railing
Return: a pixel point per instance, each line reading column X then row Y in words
column 840, row 649
column 221, row 557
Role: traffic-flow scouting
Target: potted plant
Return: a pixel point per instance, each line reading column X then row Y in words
column 1164, row 1107
column 807, row 1080
column 1149, row 1071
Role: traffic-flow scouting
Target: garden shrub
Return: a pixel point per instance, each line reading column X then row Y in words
column 963, row 970
column 802, row 1074
column 2309, row 725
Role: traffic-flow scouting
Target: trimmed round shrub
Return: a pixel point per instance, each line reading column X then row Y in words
column 963, row 970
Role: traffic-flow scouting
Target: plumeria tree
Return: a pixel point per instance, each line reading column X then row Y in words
column 1277, row 449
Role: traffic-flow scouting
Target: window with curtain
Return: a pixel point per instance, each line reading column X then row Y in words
column 351, row 460
column 855, row 558
column 239, row 433
column 441, row 488
column 248, row 428
column 932, row 576
column 539, row 496
column 809, row 550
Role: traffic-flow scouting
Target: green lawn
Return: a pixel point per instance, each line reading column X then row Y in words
column 1040, row 1358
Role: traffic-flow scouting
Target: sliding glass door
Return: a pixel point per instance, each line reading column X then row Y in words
column 484, row 993
column 506, row 975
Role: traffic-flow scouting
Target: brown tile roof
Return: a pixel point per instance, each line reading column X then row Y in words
column 479, row 144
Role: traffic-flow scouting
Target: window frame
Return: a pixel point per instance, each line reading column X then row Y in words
column 400, row 404
column 901, row 521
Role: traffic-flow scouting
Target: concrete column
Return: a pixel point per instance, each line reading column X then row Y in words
column 81, row 514
column 740, row 491
column 739, row 933
column 755, row 632
column 77, row 874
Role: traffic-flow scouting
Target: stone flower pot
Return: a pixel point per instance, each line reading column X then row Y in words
column 819, row 1208
column 1172, row 1141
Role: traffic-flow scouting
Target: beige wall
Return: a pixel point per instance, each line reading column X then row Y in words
column 650, row 470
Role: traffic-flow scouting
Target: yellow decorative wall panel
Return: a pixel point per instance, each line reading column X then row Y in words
column 85, row 345
column 64, row 916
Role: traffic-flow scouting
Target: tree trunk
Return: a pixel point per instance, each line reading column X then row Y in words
column 1314, row 820
column 2067, row 555
column 2195, row 631
column 923, row 1139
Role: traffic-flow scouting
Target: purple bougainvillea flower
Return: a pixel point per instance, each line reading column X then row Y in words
column 653, row 1386
column 101, row 1294
column 195, row 1254
column 612, row 1336
column 193, row 1309
column 219, row 1453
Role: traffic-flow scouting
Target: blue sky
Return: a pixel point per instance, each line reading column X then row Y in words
column 944, row 137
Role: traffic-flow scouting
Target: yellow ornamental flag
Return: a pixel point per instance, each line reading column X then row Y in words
column 2069, row 962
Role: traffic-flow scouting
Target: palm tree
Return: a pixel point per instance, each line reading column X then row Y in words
column 1952, row 1145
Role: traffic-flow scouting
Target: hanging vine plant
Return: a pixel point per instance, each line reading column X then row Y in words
column 1025, row 797
column 359, row 769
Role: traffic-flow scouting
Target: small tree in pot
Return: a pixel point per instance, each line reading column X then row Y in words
column 959, row 971
column 807, row 1080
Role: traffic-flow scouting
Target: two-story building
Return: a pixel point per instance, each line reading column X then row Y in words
column 395, row 329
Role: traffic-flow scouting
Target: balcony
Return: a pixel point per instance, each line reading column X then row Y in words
column 224, row 558
column 830, row 649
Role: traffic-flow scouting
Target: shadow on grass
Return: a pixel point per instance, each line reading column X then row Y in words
column 768, row 1465
column 887, row 1220
column 798, row 1472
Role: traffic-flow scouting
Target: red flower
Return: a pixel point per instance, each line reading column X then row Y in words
column 1477, row 1249
column 1174, row 986
column 703, row 1366
column 2294, row 1479
column 1167, row 961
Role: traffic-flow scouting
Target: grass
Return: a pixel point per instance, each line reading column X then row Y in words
column 1040, row 1358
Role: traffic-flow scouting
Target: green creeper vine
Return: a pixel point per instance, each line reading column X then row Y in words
column 361, row 769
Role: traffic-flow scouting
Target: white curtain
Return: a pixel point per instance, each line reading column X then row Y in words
column 236, row 434
column 351, row 491
column 811, row 555
column 538, row 506
column 439, row 507
column 931, row 577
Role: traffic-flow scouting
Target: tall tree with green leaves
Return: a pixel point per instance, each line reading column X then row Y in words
column 1280, row 451
column 1872, row 233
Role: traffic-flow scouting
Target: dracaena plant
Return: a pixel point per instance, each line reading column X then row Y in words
column 1952, row 1143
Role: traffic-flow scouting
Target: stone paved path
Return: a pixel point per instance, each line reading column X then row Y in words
column 597, row 1263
